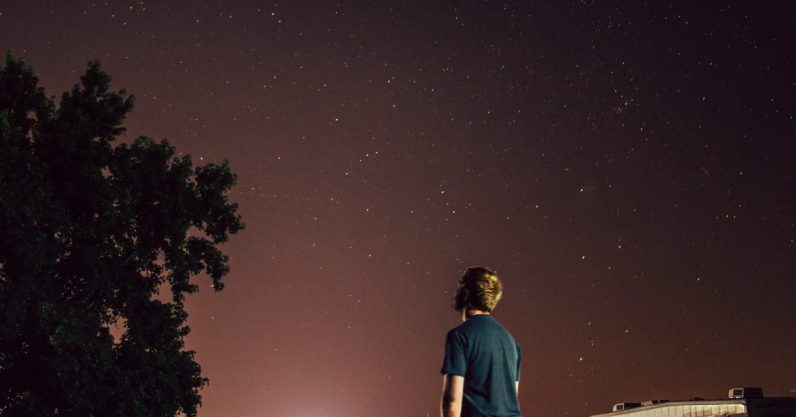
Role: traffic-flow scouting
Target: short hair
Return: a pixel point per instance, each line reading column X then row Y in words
column 479, row 288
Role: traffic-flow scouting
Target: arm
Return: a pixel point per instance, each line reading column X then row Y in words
column 452, row 395
column 517, row 389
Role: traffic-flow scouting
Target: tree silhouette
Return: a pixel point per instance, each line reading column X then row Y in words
column 89, row 232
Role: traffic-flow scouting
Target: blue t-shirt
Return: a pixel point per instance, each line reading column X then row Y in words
column 486, row 355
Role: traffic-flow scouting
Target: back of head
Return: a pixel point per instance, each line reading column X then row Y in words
column 479, row 288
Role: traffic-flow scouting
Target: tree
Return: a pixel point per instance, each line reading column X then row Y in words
column 90, row 231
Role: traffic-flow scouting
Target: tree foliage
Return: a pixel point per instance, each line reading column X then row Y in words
column 90, row 231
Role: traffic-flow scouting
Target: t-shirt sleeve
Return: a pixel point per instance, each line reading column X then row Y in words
column 519, row 362
column 455, row 362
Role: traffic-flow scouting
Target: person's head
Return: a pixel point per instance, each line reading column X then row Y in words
column 479, row 289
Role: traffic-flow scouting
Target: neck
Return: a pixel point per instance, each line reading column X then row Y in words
column 470, row 312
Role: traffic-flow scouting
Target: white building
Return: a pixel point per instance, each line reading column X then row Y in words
column 742, row 402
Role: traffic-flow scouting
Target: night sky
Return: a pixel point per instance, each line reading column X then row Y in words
column 626, row 167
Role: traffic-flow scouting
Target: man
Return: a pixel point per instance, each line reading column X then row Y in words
column 481, row 370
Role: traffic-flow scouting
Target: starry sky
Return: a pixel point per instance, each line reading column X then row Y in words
column 627, row 167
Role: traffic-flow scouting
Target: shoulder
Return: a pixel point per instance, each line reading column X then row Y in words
column 461, row 333
column 457, row 331
column 504, row 331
